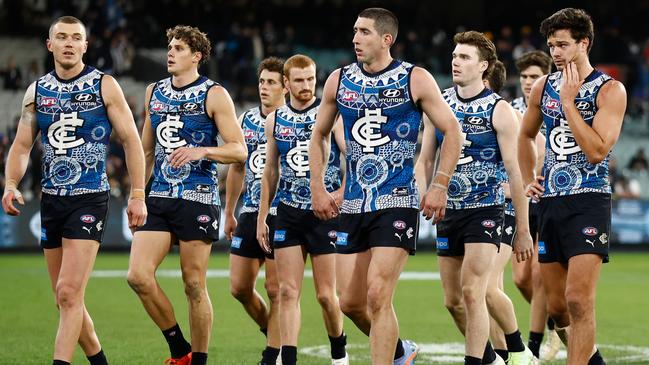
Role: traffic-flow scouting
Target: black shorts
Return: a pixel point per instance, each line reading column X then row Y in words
column 244, row 241
column 295, row 227
column 74, row 217
column 392, row 227
column 186, row 220
column 509, row 230
column 573, row 225
column 534, row 219
column 475, row 225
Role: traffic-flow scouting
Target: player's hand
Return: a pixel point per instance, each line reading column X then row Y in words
column 535, row 189
column 184, row 155
column 324, row 204
column 433, row 204
column 523, row 247
column 570, row 84
column 230, row 226
column 136, row 212
column 8, row 198
column 339, row 196
column 262, row 234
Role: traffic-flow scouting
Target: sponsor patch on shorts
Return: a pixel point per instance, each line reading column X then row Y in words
column 280, row 236
column 236, row 242
column 542, row 250
column 442, row 243
column 341, row 239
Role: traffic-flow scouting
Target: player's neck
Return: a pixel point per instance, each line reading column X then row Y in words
column 184, row 79
column 68, row 73
column 470, row 90
column 266, row 110
column 378, row 64
column 301, row 105
column 584, row 68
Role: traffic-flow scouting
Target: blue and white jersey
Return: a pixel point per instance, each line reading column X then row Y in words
column 478, row 177
column 75, row 131
column 179, row 119
column 566, row 168
column 381, row 128
column 292, row 134
column 520, row 105
column 252, row 124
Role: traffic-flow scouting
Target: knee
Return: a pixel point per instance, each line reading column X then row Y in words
column 453, row 304
column 242, row 293
column 471, row 295
column 68, row 295
column 556, row 308
column 326, row 298
column 194, row 289
column 140, row 283
column 578, row 305
column 378, row 298
column 272, row 290
column 288, row 293
column 352, row 308
column 522, row 281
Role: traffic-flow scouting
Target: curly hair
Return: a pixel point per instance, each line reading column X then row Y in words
column 486, row 48
column 195, row 39
column 272, row 64
column 534, row 58
column 577, row 21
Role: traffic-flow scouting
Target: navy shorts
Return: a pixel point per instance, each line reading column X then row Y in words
column 392, row 227
column 187, row 220
column 294, row 227
column 475, row 225
column 244, row 241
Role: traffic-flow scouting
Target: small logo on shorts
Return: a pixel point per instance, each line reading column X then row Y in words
column 204, row 229
column 542, row 250
column 442, row 243
column 332, row 234
column 400, row 225
column 590, row 231
column 236, row 242
column 43, row 234
column 87, row 218
column 341, row 239
column 280, row 236
column 603, row 238
column 410, row 233
column 203, row 218
column 488, row 223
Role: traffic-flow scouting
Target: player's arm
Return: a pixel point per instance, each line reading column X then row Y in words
column 529, row 129
column 506, row 126
column 18, row 157
column 597, row 141
column 339, row 138
column 428, row 96
column 268, row 183
column 233, row 186
column 324, row 204
column 121, row 119
column 220, row 108
column 426, row 161
column 148, row 137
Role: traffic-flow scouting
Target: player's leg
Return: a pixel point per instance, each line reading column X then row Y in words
column 522, row 273
column 351, row 282
column 496, row 333
column 271, row 284
column 243, row 277
column 290, row 273
column 450, row 269
column 194, row 260
column 383, row 273
column 77, row 261
column 553, row 276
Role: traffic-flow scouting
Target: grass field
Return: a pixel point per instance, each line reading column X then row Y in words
column 28, row 317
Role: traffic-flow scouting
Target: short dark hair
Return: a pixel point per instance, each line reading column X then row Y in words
column 385, row 21
column 195, row 39
column 486, row 48
column 272, row 64
column 497, row 77
column 577, row 21
column 534, row 58
column 66, row 19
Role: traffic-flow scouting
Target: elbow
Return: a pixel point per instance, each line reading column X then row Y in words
column 241, row 154
column 595, row 157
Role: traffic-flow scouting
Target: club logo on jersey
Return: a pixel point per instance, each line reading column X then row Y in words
column 189, row 106
column 203, row 218
column 257, row 161
column 350, row 96
column 552, row 104
column 562, row 141
column 392, row 96
column 298, row 158
column 157, row 106
column 400, row 225
column 590, row 231
column 167, row 133
column 88, row 218
column 367, row 130
column 488, row 223
column 62, row 134
column 465, row 159
column 48, row 101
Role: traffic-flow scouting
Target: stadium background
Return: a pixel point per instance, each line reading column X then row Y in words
column 127, row 40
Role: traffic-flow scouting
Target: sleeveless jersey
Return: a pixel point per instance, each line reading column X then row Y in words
column 381, row 128
column 179, row 119
column 252, row 124
column 520, row 105
column 566, row 168
column 75, row 133
column 479, row 173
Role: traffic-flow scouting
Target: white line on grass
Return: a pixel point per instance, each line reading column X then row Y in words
column 406, row 275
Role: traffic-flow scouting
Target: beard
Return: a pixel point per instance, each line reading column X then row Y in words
column 304, row 95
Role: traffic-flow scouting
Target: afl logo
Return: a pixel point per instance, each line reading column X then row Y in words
column 87, row 218
column 391, row 93
column 189, row 106
column 474, row 120
column 83, row 97
column 332, row 234
column 285, row 131
column 157, row 106
column 400, row 225
column 203, row 218
column 590, row 231
column 48, row 101
column 552, row 104
column 249, row 134
column 350, row 96
column 582, row 105
column 488, row 223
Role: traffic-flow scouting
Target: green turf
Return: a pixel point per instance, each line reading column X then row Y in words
column 28, row 317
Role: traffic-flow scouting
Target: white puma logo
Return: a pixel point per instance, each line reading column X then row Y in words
column 489, row 233
column 592, row 243
column 204, row 229
column 399, row 236
column 87, row 229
